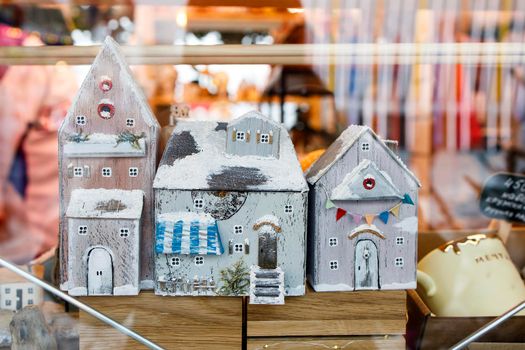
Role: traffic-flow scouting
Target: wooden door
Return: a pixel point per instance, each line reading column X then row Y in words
column 366, row 265
column 100, row 272
column 19, row 299
column 267, row 250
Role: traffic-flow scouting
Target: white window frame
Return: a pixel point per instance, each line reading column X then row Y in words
column 365, row 146
column 80, row 120
column 288, row 208
column 124, row 232
column 108, row 170
column 334, row 265
column 82, row 230
column 175, row 261
column 198, row 203
column 333, row 242
column 198, row 260
column 238, row 229
column 400, row 240
column 78, row 171
column 263, row 137
column 133, row 169
column 238, row 248
column 130, row 122
column 240, row 136
column 399, row 261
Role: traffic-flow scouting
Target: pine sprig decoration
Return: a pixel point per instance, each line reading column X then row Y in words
column 132, row 138
column 235, row 279
column 78, row 137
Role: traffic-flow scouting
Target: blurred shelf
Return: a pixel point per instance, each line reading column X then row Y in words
column 202, row 3
column 297, row 54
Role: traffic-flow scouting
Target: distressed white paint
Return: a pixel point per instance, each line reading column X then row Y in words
column 339, row 287
column 128, row 289
column 99, row 150
column 279, row 281
column 366, row 265
column 84, row 203
column 100, row 272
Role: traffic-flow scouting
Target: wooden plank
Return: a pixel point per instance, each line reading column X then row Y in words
column 307, row 343
column 171, row 322
column 331, row 313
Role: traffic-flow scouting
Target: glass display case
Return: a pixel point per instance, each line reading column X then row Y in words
column 445, row 79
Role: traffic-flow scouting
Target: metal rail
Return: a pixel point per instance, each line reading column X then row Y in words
column 489, row 326
column 80, row 305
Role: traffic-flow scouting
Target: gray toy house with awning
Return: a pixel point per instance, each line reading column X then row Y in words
column 362, row 223
column 230, row 211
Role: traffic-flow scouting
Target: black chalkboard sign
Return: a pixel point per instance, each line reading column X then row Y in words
column 503, row 197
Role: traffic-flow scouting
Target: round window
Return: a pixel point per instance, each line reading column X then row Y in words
column 106, row 110
column 369, row 183
column 105, row 84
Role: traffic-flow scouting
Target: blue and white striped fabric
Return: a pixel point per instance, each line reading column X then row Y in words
column 187, row 233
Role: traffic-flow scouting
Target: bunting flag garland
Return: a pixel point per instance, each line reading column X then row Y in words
column 340, row 213
column 395, row 210
column 369, row 218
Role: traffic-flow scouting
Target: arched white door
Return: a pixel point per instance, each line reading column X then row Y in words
column 366, row 265
column 100, row 272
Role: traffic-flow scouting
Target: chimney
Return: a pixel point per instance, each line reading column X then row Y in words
column 392, row 144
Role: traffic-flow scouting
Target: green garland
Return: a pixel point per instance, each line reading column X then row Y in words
column 78, row 137
column 133, row 139
column 235, row 279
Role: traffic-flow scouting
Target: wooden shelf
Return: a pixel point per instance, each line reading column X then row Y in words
column 305, row 54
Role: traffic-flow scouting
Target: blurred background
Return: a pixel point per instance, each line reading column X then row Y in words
column 445, row 78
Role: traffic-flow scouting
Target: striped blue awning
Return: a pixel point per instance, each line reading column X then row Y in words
column 187, row 233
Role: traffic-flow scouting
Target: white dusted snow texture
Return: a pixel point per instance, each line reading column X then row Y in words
column 86, row 203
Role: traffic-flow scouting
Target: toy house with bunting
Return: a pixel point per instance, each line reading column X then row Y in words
column 362, row 223
column 230, row 206
column 107, row 159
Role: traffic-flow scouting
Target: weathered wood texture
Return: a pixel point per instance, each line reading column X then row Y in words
column 322, row 224
column 173, row 323
column 331, row 314
column 307, row 343
column 29, row 331
column 129, row 102
column 261, row 137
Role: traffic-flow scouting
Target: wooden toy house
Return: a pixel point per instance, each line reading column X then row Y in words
column 362, row 223
column 107, row 160
column 230, row 206
column 16, row 292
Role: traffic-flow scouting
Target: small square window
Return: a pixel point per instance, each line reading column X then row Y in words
column 332, row 242
column 237, row 229
column 106, row 172
column 240, row 136
column 198, row 203
column 8, row 303
column 334, row 265
column 238, row 247
column 199, row 260
column 124, row 232
column 78, row 171
column 365, row 146
column 7, row 291
column 30, row 290
column 399, row 262
column 133, row 172
column 175, row 261
column 288, row 208
column 29, row 301
column 80, row 120
column 400, row 240
column 82, row 230
column 130, row 122
column 265, row 138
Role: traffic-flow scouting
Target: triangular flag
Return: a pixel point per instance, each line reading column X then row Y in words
column 369, row 218
column 329, row 204
column 339, row 214
column 384, row 216
column 356, row 218
column 395, row 210
column 407, row 199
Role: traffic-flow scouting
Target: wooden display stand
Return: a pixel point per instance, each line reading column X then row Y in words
column 365, row 319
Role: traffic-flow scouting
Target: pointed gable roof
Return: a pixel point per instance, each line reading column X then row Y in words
column 351, row 188
column 255, row 115
column 341, row 145
column 112, row 50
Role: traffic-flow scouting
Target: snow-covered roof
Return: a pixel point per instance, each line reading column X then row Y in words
column 195, row 159
column 105, row 203
column 342, row 144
